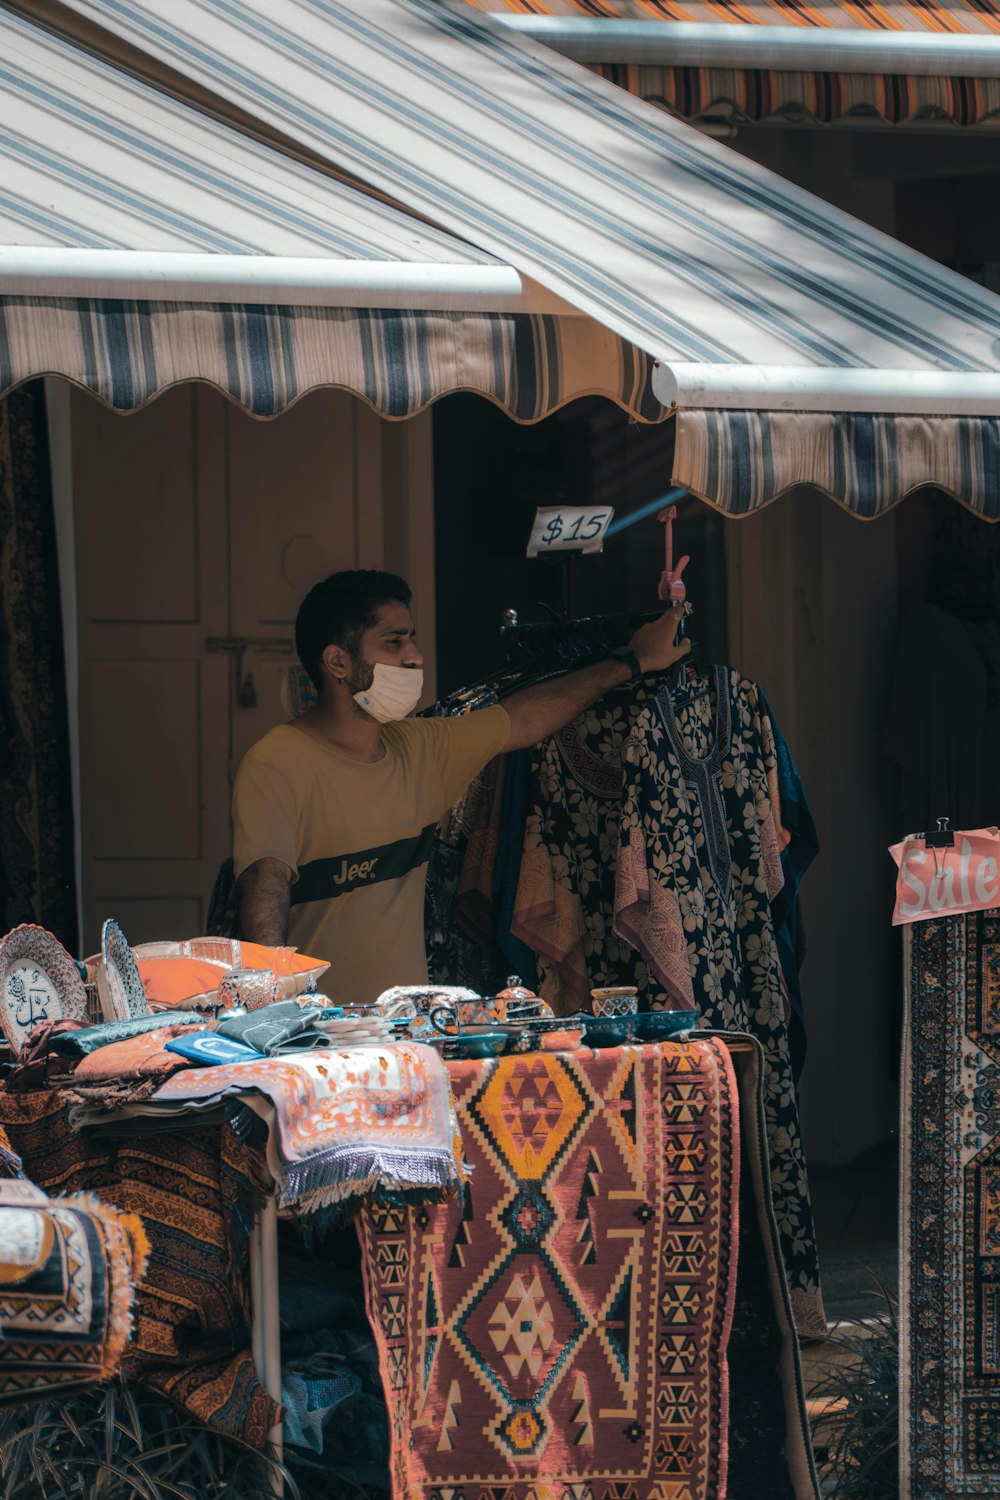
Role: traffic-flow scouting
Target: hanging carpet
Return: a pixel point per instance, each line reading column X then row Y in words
column 949, row 1360
column 563, row 1327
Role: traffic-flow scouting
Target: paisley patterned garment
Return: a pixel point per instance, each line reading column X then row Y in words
column 698, row 867
column 650, row 857
column 565, row 902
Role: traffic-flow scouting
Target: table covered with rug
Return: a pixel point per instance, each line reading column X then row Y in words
column 570, row 1258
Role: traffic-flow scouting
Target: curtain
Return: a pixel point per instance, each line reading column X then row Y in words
column 37, row 881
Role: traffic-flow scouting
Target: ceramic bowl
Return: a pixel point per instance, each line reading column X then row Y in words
column 661, row 1025
column 472, row 1044
column 608, row 1031
column 615, row 1000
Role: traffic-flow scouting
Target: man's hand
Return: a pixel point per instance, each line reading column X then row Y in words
column 655, row 644
column 537, row 712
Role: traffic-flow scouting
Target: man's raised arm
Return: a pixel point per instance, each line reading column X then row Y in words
column 264, row 896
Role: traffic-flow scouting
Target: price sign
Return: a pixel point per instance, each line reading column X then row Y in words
column 569, row 528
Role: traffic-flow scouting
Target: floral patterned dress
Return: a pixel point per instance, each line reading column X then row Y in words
column 698, row 866
column 650, row 858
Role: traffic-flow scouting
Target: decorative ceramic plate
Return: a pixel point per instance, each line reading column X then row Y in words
column 38, row 982
column 119, row 982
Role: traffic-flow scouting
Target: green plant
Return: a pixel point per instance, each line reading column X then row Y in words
column 121, row 1442
column 861, row 1385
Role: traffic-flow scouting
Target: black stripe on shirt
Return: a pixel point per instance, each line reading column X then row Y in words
column 325, row 879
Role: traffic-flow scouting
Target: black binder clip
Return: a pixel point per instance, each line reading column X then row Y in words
column 942, row 838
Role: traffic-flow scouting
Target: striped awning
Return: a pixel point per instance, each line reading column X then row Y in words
column 712, row 60
column 168, row 219
column 770, row 322
column 750, row 294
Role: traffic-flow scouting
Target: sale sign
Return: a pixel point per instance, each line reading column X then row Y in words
column 941, row 882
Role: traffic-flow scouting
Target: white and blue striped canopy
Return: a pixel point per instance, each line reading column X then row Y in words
column 97, row 161
column 777, row 321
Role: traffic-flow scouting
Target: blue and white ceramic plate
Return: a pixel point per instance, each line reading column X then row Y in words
column 119, row 983
column 38, row 982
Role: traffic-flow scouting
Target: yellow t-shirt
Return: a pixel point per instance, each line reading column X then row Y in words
column 358, row 838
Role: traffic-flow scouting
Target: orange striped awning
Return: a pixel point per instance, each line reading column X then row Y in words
column 760, row 91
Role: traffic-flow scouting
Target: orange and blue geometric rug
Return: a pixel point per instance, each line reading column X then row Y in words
column 950, row 1242
column 560, row 1330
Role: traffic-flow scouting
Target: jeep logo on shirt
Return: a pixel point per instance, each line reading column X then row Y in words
column 355, row 873
column 337, row 875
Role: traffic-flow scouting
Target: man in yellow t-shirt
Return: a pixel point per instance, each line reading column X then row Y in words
column 334, row 814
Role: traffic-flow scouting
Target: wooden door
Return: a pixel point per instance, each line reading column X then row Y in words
column 198, row 531
column 152, row 553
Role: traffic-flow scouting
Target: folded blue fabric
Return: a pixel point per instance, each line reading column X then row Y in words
column 77, row 1044
column 206, row 1048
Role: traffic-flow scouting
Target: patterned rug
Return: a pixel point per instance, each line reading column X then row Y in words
column 560, row 1331
column 68, row 1268
column 348, row 1121
column 950, row 1244
column 195, row 1191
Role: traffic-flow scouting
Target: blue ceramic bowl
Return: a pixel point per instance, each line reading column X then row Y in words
column 661, row 1025
column 608, row 1031
column 472, row 1044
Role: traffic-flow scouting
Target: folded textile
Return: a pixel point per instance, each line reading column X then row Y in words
column 311, row 1390
column 273, row 1026
column 68, row 1273
column 37, row 1062
column 347, row 1122
column 79, row 1043
column 138, row 1057
column 125, row 1072
column 343, row 1422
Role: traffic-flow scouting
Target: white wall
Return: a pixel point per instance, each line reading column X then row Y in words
column 813, row 619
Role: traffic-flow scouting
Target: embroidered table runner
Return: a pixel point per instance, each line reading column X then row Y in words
column 346, row 1122
column 566, row 1318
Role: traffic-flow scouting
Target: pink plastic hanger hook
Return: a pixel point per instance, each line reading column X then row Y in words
column 671, row 582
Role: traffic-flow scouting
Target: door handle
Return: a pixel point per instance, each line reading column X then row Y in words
column 244, row 692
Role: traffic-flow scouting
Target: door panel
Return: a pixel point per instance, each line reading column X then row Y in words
column 150, row 498
column 140, row 544
column 148, row 712
column 198, row 531
column 292, row 522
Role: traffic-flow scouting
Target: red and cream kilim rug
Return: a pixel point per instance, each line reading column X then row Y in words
column 559, row 1332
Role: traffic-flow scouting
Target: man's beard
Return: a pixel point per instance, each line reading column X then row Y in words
column 361, row 678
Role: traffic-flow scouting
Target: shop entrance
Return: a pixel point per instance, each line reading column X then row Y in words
column 198, row 529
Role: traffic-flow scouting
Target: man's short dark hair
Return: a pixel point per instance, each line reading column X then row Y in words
column 338, row 611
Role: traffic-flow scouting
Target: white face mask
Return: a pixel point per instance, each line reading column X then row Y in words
column 394, row 693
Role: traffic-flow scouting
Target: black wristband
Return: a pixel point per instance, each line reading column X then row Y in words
column 628, row 656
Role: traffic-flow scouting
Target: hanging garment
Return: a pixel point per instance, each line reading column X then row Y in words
column 565, row 902
column 452, row 956
column 698, row 867
column 796, row 857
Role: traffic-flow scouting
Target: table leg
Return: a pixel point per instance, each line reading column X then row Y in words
column 265, row 1312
